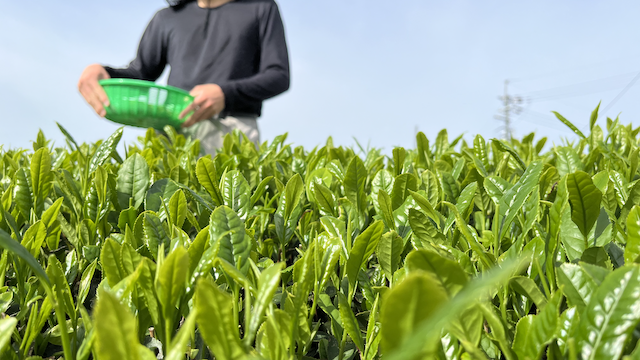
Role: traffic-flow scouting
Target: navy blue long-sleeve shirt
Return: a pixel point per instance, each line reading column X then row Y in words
column 240, row 46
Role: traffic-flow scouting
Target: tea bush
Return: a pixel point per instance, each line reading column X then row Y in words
column 451, row 250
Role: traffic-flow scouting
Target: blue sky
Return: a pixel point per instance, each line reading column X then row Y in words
column 365, row 69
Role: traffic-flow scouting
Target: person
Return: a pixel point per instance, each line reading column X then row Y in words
column 230, row 54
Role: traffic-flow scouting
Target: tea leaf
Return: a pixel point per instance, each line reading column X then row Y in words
column 388, row 252
column 178, row 208
column 227, row 234
column 445, row 271
column 528, row 288
column 133, row 181
column 7, row 243
column 221, row 335
column 115, row 329
column 7, row 326
column 570, row 125
column 354, row 182
column 585, row 199
column 208, row 178
column 533, row 332
column 179, row 344
column 611, row 315
column 171, row 280
column 105, row 150
column 514, row 198
column 405, row 307
column 236, row 192
column 401, row 186
column 267, row 284
column 349, row 321
column 364, row 245
column 632, row 250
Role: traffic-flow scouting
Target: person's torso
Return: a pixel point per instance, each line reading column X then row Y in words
column 213, row 45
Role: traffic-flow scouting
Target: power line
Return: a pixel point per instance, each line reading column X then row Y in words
column 511, row 105
column 583, row 88
column 574, row 94
column 570, row 70
column 547, row 121
column 633, row 81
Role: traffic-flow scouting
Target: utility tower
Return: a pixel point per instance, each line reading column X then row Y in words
column 510, row 106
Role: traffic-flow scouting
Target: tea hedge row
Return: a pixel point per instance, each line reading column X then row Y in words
column 452, row 250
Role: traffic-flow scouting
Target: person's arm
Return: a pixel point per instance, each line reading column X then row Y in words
column 273, row 75
column 151, row 58
column 148, row 65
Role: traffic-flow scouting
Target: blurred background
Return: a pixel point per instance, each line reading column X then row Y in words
column 371, row 70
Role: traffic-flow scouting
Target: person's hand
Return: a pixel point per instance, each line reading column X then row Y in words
column 91, row 90
column 208, row 101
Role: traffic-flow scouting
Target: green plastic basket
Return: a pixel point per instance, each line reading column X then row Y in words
column 144, row 103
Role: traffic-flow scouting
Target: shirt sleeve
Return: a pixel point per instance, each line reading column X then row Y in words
column 151, row 57
column 273, row 74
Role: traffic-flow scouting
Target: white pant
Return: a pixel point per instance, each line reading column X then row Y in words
column 211, row 132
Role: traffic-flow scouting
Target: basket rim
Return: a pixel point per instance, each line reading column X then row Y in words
column 142, row 83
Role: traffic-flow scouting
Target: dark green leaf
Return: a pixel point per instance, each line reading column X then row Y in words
column 386, row 210
column 570, row 125
column 236, row 192
column 610, row 316
column 533, row 332
column 354, row 181
column 595, row 255
column 208, row 178
column 180, row 343
column 401, row 187
column 514, row 198
column 267, row 284
column 424, row 232
column 406, row 307
column 133, row 181
column 594, row 116
column 399, row 154
column 446, row 272
column 504, row 146
column 221, row 335
column 389, row 250
column 578, row 284
column 632, row 250
column 105, row 150
column 178, row 208
column 7, row 243
column 227, row 235
column 161, row 191
column 349, row 321
column 171, row 280
column 363, row 247
column 567, row 161
column 584, row 198
column 527, row 287
column 23, row 193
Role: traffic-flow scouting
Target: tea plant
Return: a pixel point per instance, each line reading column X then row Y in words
column 489, row 250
